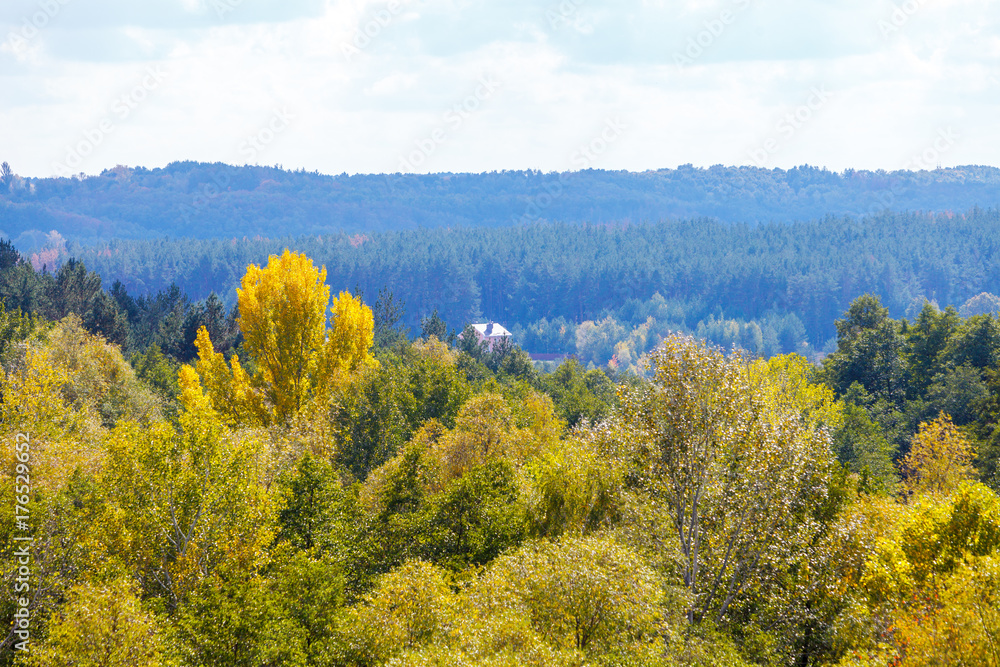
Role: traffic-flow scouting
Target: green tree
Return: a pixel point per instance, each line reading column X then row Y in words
column 288, row 616
column 926, row 340
column 976, row 342
column 76, row 289
column 207, row 509
column 508, row 361
column 959, row 392
column 588, row 593
column 157, row 371
column 409, row 608
column 394, row 498
column 16, row 327
column 368, row 417
column 579, row 394
column 869, row 352
column 575, row 487
column 229, row 621
column 861, row 445
column 307, row 595
column 433, row 326
column 439, row 389
column 387, row 314
column 475, row 518
column 311, row 498
column 221, row 327
column 105, row 320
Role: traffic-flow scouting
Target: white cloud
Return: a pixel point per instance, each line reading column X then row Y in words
column 566, row 67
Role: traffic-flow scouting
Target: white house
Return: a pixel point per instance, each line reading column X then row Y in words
column 491, row 332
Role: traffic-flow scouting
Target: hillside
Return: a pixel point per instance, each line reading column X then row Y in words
column 194, row 200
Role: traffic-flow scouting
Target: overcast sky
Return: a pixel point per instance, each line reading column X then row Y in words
column 471, row 85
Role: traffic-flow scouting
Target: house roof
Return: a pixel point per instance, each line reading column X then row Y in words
column 491, row 330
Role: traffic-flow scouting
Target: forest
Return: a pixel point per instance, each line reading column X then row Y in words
column 199, row 200
column 606, row 293
column 300, row 478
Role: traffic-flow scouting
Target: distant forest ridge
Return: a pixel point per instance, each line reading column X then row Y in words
column 769, row 288
column 198, row 200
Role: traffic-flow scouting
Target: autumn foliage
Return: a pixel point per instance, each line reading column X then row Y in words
column 306, row 497
column 297, row 357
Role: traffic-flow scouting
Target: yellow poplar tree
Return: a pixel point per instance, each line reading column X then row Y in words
column 283, row 319
column 348, row 344
column 229, row 390
column 296, row 357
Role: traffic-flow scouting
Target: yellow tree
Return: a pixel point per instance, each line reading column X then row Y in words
column 933, row 574
column 229, row 391
column 347, row 345
column 102, row 625
column 590, row 594
column 790, row 379
column 183, row 505
column 940, row 458
column 963, row 628
column 486, row 428
column 409, row 607
column 295, row 356
column 283, row 319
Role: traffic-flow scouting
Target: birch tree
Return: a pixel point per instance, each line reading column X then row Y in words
column 736, row 465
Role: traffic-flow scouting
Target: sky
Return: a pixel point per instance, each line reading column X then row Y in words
column 471, row 86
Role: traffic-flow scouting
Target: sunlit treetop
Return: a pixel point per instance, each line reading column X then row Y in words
column 295, row 357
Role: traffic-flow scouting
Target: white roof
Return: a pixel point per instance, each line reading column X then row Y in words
column 491, row 330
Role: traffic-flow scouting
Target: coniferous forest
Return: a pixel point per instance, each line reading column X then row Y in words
column 610, row 292
column 284, row 468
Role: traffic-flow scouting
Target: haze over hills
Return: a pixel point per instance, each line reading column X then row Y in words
column 199, row 200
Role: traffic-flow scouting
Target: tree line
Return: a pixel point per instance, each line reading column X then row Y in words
column 199, row 200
